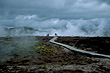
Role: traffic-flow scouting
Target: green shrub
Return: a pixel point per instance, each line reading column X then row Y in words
column 44, row 50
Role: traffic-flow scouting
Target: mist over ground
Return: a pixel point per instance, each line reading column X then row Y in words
column 30, row 25
column 64, row 17
column 16, row 46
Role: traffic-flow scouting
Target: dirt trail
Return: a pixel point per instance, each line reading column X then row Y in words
column 78, row 50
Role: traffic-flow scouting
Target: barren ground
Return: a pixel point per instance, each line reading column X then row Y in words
column 45, row 57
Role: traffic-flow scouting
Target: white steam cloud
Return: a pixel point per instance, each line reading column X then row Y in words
column 63, row 27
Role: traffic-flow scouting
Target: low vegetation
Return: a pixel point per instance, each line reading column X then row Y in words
column 44, row 57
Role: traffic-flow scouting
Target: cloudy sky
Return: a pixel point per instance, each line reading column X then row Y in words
column 57, row 15
column 65, row 9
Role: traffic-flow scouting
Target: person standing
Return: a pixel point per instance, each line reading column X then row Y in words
column 55, row 34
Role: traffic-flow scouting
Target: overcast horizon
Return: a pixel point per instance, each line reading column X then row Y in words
column 65, row 17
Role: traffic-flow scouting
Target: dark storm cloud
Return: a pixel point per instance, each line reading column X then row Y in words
column 106, row 1
column 66, row 17
column 57, row 8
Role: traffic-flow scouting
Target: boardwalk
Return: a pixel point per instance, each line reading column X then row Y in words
column 78, row 50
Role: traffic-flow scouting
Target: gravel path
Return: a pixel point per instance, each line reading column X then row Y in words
column 78, row 50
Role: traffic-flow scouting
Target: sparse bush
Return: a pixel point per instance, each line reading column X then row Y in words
column 44, row 50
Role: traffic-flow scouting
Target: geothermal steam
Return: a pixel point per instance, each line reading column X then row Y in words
column 63, row 27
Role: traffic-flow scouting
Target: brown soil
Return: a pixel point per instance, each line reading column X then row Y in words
column 94, row 44
column 51, row 58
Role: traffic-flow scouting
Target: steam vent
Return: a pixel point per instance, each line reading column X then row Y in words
column 54, row 36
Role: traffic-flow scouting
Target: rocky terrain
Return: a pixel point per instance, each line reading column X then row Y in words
column 38, row 55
